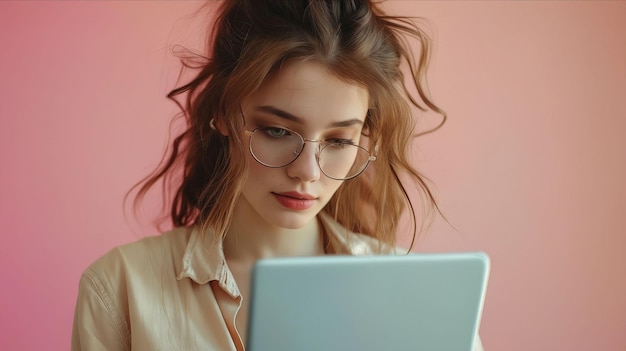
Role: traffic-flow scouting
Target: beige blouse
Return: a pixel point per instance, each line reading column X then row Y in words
column 170, row 292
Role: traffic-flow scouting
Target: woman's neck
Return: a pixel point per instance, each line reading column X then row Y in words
column 250, row 238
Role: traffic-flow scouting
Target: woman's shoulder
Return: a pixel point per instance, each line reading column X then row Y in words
column 355, row 243
column 146, row 254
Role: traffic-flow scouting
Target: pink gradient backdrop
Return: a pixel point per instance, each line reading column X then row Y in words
column 529, row 168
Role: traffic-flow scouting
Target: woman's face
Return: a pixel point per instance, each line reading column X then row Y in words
column 305, row 98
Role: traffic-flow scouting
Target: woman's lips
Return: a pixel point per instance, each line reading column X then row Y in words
column 295, row 201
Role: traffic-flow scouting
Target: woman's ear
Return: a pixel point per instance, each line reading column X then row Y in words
column 219, row 127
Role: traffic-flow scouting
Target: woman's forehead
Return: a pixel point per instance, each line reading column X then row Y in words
column 310, row 91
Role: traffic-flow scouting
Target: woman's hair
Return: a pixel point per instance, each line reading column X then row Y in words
column 205, row 170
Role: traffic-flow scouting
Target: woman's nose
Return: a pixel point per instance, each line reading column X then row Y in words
column 305, row 166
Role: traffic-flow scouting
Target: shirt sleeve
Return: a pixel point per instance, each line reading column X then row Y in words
column 98, row 322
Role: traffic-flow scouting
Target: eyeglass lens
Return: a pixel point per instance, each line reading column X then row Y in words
column 336, row 160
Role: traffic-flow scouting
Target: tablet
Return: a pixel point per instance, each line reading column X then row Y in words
column 368, row 303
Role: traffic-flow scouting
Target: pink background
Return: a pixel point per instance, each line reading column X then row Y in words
column 530, row 167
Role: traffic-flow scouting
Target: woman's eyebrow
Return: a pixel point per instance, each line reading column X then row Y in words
column 347, row 123
column 279, row 113
column 291, row 117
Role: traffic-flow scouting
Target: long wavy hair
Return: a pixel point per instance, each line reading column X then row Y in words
column 204, row 171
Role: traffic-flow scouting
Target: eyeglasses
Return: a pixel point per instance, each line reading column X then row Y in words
column 338, row 159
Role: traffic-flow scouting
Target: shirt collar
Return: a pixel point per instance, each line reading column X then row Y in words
column 204, row 259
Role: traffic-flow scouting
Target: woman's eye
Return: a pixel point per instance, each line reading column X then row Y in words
column 275, row 132
column 338, row 141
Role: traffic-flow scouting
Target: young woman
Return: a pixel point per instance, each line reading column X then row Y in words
column 298, row 127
